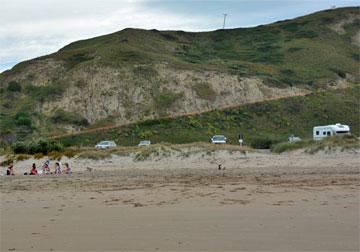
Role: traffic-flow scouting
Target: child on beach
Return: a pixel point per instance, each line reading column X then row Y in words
column 46, row 167
column 67, row 169
column 57, row 168
column 33, row 170
column 10, row 171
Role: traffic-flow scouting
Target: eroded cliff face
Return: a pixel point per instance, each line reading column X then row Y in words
column 141, row 92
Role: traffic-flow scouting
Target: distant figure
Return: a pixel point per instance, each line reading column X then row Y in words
column 46, row 167
column 33, row 170
column 220, row 167
column 67, row 169
column 241, row 139
column 10, row 171
column 57, row 168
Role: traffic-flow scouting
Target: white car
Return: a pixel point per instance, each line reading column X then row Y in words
column 144, row 143
column 105, row 145
column 218, row 139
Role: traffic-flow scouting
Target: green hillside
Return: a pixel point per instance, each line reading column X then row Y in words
column 303, row 51
column 272, row 120
column 72, row 87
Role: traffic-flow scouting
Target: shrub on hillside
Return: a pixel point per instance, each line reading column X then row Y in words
column 19, row 147
column 204, row 91
column 64, row 117
column 166, row 99
column 23, row 119
column 14, row 86
column 45, row 93
column 43, row 146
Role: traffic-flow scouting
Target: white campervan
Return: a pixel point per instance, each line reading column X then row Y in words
column 320, row 132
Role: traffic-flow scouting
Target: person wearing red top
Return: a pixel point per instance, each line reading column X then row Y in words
column 33, row 170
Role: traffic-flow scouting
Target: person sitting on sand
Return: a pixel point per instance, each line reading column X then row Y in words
column 33, row 170
column 10, row 171
column 67, row 169
column 46, row 167
column 57, row 168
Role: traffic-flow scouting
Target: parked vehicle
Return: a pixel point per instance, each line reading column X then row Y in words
column 105, row 145
column 293, row 139
column 320, row 132
column 218, row 139
column 144, row 143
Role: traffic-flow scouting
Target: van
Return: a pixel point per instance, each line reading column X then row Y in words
column 320, row 132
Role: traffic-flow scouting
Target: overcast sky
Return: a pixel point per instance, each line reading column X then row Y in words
column 32, row 28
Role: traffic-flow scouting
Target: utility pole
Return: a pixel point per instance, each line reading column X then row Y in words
column 224, row 20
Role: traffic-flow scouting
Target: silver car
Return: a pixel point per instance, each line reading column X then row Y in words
column 218, row 139
column 144, row 143
column 105, row 145
column 293, row 139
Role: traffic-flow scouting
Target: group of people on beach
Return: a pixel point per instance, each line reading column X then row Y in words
column 45, row 169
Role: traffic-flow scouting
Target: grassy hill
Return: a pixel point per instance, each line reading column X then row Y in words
column 265, row 122
column 304, row 51
column 136, row 75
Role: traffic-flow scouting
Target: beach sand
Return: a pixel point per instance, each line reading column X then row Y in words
column 260, row 202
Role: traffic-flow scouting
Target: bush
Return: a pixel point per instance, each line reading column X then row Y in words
column 204, row 91
column 62, row 117
column 286, row 146
column 19, row 147
column 43, row 146
column 263, row 143
column 23, row 118
column 95, row 155
column 14, row 86
column 22, row 157
column 166, row 99
column 46, row 93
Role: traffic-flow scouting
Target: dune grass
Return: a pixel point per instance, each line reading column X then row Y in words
column 311, row 146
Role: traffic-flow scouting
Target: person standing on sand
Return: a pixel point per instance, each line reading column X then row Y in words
column 241, row 139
